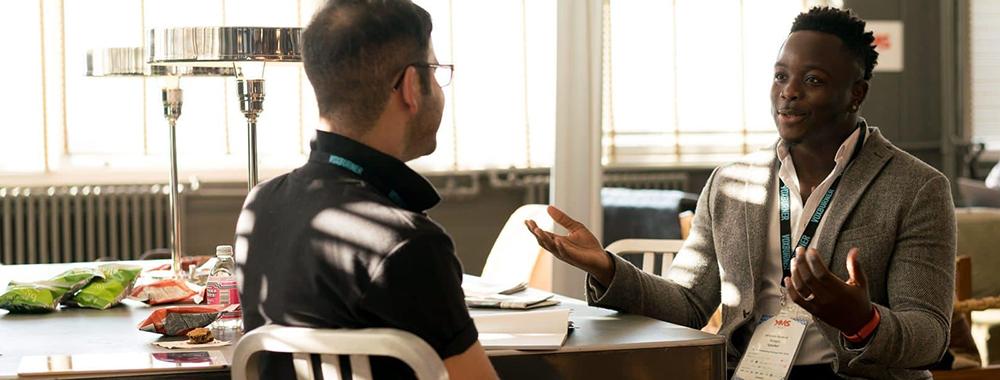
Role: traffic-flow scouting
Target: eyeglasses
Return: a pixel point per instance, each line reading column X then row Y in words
column 442, row 73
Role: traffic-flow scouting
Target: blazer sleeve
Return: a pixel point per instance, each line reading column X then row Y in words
column 913, row 331
column 689, row 293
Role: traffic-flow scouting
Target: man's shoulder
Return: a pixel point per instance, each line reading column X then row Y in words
column 268, row 185
column 380, row 210
column 339, row 205
column 265, row 191
column 754, row 167
column 905, row 165
column 375, row 220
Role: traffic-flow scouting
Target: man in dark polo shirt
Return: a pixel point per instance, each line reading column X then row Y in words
column 343, row 241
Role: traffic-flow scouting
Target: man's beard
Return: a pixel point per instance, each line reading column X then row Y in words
column 423, row 127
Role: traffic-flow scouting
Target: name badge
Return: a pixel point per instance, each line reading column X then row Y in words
column 774, row 345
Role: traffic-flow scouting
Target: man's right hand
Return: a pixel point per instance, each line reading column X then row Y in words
column 579, row 248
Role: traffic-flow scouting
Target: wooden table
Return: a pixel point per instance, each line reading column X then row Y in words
column 605, row 344
column 76, row 331
column 610, row 345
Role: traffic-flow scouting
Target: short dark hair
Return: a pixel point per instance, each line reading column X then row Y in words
column 354, row 49
column 847, row 26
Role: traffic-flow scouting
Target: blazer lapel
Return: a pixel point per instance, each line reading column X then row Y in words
column 858, row 175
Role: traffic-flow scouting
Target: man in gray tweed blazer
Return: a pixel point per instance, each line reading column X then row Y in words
column 876, row 272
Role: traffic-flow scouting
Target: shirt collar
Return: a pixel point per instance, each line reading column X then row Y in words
column 786, row 171
column 844, row 153
column 403, row 186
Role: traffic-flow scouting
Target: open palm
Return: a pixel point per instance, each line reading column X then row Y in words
column 579, row 247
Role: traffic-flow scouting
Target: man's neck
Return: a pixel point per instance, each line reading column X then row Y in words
column 374, row 137
column 815, row 159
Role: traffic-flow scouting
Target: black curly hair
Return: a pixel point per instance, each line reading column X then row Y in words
column 847, row 26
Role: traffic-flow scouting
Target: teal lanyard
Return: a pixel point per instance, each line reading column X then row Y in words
column 785, row 214
column 342, row 162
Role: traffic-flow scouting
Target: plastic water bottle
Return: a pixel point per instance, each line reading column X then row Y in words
column 221, row 290
column 226, row 266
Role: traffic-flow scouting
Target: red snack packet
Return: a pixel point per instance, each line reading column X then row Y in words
column 163, row 291
column 178, row 320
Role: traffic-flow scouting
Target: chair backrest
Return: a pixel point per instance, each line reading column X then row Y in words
column 516, row 252
column 331, row 345
column 977, row 232
column 686, row 218
column 650, row 249
column 977, row 194
column 156, row 254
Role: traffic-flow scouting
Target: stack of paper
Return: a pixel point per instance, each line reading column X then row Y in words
column 522, row 302
column 527, row 330
column 477, row 287
column 481, row 293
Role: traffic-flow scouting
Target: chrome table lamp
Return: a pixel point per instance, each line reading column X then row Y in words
column 247, row 49
column 117, row 62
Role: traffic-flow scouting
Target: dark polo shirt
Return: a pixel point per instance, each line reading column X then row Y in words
column 343, row 242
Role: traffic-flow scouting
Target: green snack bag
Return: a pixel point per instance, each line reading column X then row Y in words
column 45, row 296
column 72, row 280
column 108, row 291
column 30, row 298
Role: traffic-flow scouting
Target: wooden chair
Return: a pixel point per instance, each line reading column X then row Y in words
column 963, row 292
column 963, row 281
column 985, row 373
column 331, row 345
column 685, row 218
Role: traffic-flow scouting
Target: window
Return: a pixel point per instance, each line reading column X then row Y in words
column 984, row 78
column 499, row 113
column 685, row 82
column 22, row 148
column 118, row 122
column 688, row 81
column 500, row 108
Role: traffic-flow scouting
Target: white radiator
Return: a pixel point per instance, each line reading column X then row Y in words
column 537, row 186
column 662, row 181
column 81, row 223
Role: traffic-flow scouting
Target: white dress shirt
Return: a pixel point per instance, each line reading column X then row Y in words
column 814, row 349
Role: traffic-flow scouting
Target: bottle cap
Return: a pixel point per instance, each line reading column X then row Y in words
column 224, row 250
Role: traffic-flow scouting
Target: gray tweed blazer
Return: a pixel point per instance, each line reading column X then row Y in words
column 897, row 210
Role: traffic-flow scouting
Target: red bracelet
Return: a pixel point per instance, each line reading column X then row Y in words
column 866, row 330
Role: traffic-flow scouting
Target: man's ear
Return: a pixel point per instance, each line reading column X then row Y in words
column 859, row 91
column 410, row 90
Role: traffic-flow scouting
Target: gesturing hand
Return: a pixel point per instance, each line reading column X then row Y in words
column 842, row 304
column 579, row 248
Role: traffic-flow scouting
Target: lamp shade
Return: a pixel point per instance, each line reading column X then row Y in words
column 131, row 61
column 221, row 46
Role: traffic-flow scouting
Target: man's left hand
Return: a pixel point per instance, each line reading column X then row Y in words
column 842, row 304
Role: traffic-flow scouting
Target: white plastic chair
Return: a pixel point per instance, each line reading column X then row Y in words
column 516, row 256
column 649, row 248
column 330, row 344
